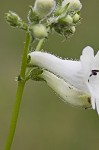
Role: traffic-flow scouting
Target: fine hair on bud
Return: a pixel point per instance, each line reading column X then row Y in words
column 39, row 31
column 44, row 7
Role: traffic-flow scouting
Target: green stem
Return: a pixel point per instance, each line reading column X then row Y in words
column 38, row 48
column 40, row 43
column 18, row 97
column 24, row 59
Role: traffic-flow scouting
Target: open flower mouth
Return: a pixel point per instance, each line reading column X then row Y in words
column 94, row 72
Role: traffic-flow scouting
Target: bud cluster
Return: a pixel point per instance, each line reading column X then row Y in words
column 45, row 15
column 66, row 17
column 37, row 17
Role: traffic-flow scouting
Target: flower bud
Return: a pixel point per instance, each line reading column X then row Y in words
column 39, row 31
column 68, row 19
column 73, row 29
column 76, row 17
column 59, row 10
column 13, row 19
column 74, row 5
column 44, row 7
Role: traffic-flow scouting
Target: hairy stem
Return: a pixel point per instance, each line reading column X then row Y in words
column 19, row 93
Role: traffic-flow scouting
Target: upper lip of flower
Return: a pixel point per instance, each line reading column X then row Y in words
column 82, row 74
column 90, row 67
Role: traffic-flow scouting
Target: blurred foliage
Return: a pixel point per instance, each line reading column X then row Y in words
column 45, row 122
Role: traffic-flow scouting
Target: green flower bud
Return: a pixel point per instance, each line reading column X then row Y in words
column 74, row 5
column 73, row 29
column 68, row 19
column 39, row 31
column 13, row 19
column 44, row 7
column 60, row 10
column 76, row 17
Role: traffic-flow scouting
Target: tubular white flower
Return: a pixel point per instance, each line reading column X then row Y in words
column 74, row 5
column 81, row 76
column 69, row 70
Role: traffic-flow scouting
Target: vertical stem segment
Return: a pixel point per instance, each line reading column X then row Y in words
column 18, row 97
column 38, row 48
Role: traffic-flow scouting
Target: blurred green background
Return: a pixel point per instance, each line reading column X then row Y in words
column 45, row 122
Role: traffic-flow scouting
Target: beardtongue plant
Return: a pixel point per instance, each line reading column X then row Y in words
column 73, row 81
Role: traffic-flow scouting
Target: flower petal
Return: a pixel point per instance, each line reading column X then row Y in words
column 87, row 58
column 94, row 81
column 69, row 70
column 94, row 85
column 95, row 65
column 67, row 92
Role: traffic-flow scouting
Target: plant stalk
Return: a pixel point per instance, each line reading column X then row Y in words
column 18, row 98
column 40, row 43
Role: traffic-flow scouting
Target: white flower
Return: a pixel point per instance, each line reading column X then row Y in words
column 74, row 4
column 77, row 82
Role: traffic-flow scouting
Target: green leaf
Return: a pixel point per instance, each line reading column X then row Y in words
column 35, row 74
column 32, row 16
